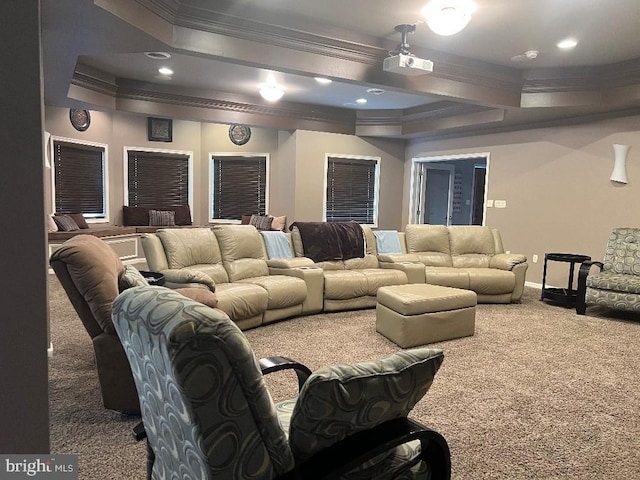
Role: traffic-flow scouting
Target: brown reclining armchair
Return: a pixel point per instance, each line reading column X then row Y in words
column 89, row 271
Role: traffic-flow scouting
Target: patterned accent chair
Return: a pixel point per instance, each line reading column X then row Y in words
column 617, row 284
column 208, row 414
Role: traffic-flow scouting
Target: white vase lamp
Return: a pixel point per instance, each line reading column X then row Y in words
column 619, row 173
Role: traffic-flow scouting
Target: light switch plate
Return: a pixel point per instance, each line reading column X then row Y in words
column 500, row 203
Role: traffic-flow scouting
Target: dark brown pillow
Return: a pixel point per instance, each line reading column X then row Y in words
column 201, row 295
column 135, row 216
column 183, row 214
column 80, row 220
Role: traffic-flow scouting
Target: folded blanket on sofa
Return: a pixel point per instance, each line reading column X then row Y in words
column 277, row 245
column 324, row 241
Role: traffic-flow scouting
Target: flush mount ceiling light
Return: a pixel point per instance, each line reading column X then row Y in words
column 526, row 56
column 361, row 101
column 448, row 17
column 375, row 91
column 271, row 91
column 567, row 43
column 323, row 80
column 165, row 71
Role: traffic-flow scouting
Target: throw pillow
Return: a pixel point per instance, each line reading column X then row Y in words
column 51, row 225
column 162, row 218
column 279, row 223
column 261, row 222
column 342, row 400
column 79, row 219
column 131, row 277
column 65, row 223
column 207, row 297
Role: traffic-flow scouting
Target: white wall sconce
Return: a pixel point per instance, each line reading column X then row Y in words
column 619, row 173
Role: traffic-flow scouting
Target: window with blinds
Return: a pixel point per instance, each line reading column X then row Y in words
column 157, row 179
column 239, row 186
column 79, row 179
column 351, row 190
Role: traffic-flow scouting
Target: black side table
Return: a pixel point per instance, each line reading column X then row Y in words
column 567, row 295
column 154, row 278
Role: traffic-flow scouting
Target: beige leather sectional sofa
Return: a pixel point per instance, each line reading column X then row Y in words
column 252, row 289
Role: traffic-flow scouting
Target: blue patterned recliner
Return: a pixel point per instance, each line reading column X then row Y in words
column 208, row 414
column 617, row 284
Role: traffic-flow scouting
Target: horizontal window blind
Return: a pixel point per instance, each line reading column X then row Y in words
column 239, row 186
column 351, row 190
column 157, row 179
column 79, row 179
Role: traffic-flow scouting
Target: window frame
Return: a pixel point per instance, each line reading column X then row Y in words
column 104, row 217
column 376, row 193
column 165, row 151
column 212, row 156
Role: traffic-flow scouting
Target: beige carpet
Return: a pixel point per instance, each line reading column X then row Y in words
column 537, row 393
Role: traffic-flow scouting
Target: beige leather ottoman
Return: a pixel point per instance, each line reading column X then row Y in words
column 417, row 314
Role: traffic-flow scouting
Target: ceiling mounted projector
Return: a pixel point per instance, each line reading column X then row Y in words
column 402, row 61
column 407, row 65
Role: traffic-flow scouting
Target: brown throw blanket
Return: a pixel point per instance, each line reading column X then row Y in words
column 323, row 241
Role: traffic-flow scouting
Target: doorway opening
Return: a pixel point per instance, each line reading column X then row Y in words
column 449, row 190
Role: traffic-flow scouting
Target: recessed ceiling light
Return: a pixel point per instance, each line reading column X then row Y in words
column 375, row 91
column 165, row 71
column 158, row 55
column 567, row 43
column 528, row 55
column 323, row 80
column 361, row 101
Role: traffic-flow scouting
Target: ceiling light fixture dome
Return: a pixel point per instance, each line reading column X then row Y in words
column 271, row 91
column 448, row 17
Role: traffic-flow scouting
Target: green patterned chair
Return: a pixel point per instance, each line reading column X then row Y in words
column 208, row 414
column 617, row 284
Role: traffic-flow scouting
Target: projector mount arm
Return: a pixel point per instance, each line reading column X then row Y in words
column 403, row 47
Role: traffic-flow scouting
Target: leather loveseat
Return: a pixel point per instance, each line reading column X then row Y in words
column 466, row 257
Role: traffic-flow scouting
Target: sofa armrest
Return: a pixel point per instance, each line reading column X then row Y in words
column 581, row 294
column 506, row 261
column 294, row 262
column 399, row 258
column 183, row 278
column 313, row 276
column 414, row 270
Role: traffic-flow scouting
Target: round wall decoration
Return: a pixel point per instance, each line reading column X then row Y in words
column 239, row 134
column 80, row 119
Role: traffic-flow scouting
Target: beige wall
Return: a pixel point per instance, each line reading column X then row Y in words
column 297, row 161
column 556, row 185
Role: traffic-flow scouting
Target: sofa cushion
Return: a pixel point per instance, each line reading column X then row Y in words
column 241, row 300
column 431, row 242
column 344, row 284
column 490, row 281
column 189, row 246
column 471, row 240
column 283, row 291
column 242, row 251
column 330, row 405
column 622, row 254
column 620, row 282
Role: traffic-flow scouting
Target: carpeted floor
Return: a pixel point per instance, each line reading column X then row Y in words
column 538, row 393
